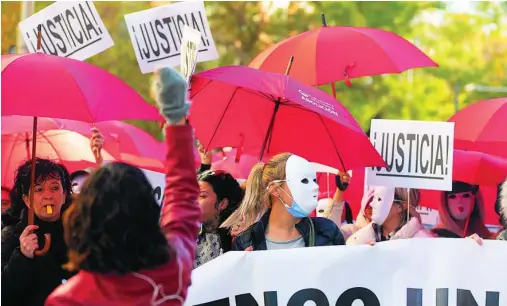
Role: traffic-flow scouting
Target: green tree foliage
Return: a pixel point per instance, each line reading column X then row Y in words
column 470, row 46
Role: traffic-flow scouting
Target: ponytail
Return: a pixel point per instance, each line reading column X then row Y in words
column 253, row 205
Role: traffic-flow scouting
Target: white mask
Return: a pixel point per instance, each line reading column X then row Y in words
column 77, row 183
column 301, row 180
column 383, row 198
column 322, row 206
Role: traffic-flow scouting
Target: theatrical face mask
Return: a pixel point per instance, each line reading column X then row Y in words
column 383, row 198
column 301, row 179
column 77, row 183
column 322, row 206
column 460, row 204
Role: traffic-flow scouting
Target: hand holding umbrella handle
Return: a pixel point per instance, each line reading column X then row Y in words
column 45, row 249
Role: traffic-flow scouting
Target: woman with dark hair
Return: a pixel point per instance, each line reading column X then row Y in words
column 28, row 280
column 124, row 256
column 220, row 195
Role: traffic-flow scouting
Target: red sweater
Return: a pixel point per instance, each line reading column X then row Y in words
column 180, row 223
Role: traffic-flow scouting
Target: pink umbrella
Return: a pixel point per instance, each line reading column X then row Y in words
column 125, row 142
column 61, row 146
column 239, row 169
column 43, row 85
column 269, row 113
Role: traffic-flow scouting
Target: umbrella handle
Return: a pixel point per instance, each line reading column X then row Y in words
column 45, row 249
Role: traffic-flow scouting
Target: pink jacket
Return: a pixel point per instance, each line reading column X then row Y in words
column 413, row 229
column 166, row 285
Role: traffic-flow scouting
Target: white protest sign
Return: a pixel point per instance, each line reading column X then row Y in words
column 157, row 180
column 418, row 154
column 157, row 34
column 69, row 29
column 189, row 47
column 411, row 272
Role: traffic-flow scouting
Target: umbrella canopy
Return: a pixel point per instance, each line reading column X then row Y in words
column 45, row 85
column 335, row 53
column 482, row 127
column 125, row 142
column 62, row 146
column 478, row 168
column 269, row 113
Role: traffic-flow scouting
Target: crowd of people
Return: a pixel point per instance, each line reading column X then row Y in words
column 113, row 244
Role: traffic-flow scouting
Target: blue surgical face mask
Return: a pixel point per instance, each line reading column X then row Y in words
column 295, row 210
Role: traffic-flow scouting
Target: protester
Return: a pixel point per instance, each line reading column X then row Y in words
column 393, row 216
column 363, row 217
column 28, row 279
column 206, row 158
column 286, row 186
column 502, row 200
column 6, row 198
column 461, row 211
column 123, row 255
column 336, row 209
column 79, row 177
column 252, row 208
column 220, row 195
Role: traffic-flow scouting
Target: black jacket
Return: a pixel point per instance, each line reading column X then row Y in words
column 28, row 281
column 326, row 233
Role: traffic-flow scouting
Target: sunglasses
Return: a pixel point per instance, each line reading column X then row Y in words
column 219, row 173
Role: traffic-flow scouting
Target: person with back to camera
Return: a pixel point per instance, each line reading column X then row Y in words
column 287, row 187
column 28, row 279
column 124, row 256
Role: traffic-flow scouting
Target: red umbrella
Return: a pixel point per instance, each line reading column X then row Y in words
column 478, row 168
column 335, row 53
column 482, row 127
column 61, row 146
column 125, row 142
column 269, row 113
column 43, row 85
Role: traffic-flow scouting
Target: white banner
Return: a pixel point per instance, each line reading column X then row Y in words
column 418, row 154
column 69, row 29
column 412, row 272
column 157, row 34
column 157, row 180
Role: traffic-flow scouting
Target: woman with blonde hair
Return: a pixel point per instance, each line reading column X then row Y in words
column 391, row 214
column 284, row 192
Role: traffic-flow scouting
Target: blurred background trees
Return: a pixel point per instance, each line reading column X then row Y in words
column 467, row 39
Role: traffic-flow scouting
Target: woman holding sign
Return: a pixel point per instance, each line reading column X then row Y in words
column 287, row 186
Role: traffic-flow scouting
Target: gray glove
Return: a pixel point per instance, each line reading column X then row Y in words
column 171, row 95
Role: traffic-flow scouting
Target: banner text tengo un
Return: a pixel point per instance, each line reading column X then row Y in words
column 412, row 272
